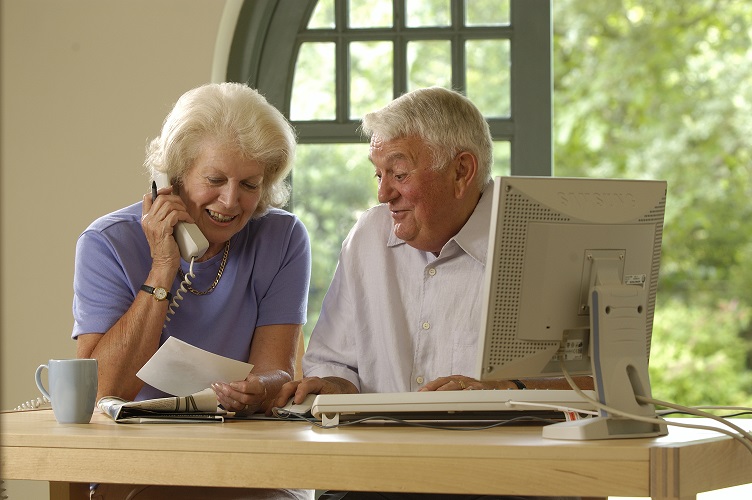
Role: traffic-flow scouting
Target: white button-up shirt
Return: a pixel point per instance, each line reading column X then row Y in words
column 395, row 317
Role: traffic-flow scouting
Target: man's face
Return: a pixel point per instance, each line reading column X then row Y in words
column 422, row 200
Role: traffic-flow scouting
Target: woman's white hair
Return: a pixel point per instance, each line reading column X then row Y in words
column 233, row 115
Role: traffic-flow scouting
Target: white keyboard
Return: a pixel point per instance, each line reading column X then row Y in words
column 449, row 405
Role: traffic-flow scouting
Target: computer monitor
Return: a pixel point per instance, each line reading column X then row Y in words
column 571, row 280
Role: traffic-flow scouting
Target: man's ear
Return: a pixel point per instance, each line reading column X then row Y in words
column 466, row 170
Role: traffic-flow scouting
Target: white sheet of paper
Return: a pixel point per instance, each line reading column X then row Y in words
column 181, row 369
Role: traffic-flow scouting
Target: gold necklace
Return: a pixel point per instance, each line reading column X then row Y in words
column 216, row 280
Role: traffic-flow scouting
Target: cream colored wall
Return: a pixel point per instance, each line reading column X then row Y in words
column 85, row 84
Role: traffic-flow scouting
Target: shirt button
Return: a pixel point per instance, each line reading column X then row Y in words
column 426, row 325
column 419, row 380
column 432, row 271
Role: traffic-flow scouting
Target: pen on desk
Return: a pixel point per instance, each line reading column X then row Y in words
column 153, row 191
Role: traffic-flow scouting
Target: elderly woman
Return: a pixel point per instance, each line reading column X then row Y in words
column 226, row 152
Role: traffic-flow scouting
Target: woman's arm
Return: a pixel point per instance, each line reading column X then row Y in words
column 128, row 345
column 123, row 349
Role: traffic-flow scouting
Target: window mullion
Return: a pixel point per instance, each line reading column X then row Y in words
column 342, row 55
column 458, row 46
column 532, row 88
column 399, row 57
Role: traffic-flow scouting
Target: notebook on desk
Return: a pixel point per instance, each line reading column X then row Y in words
column 450, row 405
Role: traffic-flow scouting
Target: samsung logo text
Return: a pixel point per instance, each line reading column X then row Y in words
column 596, row 200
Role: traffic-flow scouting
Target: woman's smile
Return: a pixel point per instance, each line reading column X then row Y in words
column 218, row 217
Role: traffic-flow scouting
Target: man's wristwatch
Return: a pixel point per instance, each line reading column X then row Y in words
column 159, row 293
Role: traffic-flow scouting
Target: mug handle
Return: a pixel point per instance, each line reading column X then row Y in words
column 40, row 385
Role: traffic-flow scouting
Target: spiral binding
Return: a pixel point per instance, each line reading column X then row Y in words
column 34, row 404
column 179, row 292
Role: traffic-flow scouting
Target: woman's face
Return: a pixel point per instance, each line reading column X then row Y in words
column 221, row 191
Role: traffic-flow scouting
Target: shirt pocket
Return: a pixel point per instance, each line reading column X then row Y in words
column 465, row 354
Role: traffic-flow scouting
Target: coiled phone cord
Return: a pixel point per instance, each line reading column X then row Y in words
column 179, row 292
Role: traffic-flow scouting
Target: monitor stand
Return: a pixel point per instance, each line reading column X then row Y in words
column 620, row 368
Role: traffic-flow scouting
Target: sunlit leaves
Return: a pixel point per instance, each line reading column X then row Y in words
column 660, row 89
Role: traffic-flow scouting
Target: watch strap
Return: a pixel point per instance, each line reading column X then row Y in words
column 150, row 290
column 520, row 385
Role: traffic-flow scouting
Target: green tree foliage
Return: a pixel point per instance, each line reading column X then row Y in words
column 662, row 89
column 332, row 185
column 692, row 366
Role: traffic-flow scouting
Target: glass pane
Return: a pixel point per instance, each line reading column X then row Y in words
column 502, row 164
column 370, row 76
column 323, row 15
column 486, row 12
column 314, row 85
column 332, row 185
column 488, row 76
column 429, row 63
column 370, row 14
column 427, row 13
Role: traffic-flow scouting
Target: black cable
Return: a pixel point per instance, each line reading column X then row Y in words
column 463, row 427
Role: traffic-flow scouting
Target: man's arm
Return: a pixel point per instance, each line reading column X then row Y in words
column 461, row 382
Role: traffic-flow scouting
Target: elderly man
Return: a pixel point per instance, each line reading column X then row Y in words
column 403, row 309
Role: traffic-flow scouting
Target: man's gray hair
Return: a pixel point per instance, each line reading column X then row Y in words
column 445, row 120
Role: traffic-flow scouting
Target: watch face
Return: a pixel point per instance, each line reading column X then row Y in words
column 160, row 293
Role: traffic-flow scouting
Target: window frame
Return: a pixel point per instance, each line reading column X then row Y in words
column 269, row 34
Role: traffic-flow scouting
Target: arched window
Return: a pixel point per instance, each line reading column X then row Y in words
column 325, row 63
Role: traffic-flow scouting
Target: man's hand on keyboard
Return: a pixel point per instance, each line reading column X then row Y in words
column 299, row 389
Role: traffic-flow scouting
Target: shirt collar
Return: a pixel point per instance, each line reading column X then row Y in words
column 473, row 237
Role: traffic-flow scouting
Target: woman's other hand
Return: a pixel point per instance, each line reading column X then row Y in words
column 245, row 396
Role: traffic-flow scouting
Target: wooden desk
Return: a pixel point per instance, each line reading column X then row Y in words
column 513, row 460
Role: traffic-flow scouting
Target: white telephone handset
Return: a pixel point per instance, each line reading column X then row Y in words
column 191, row 241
